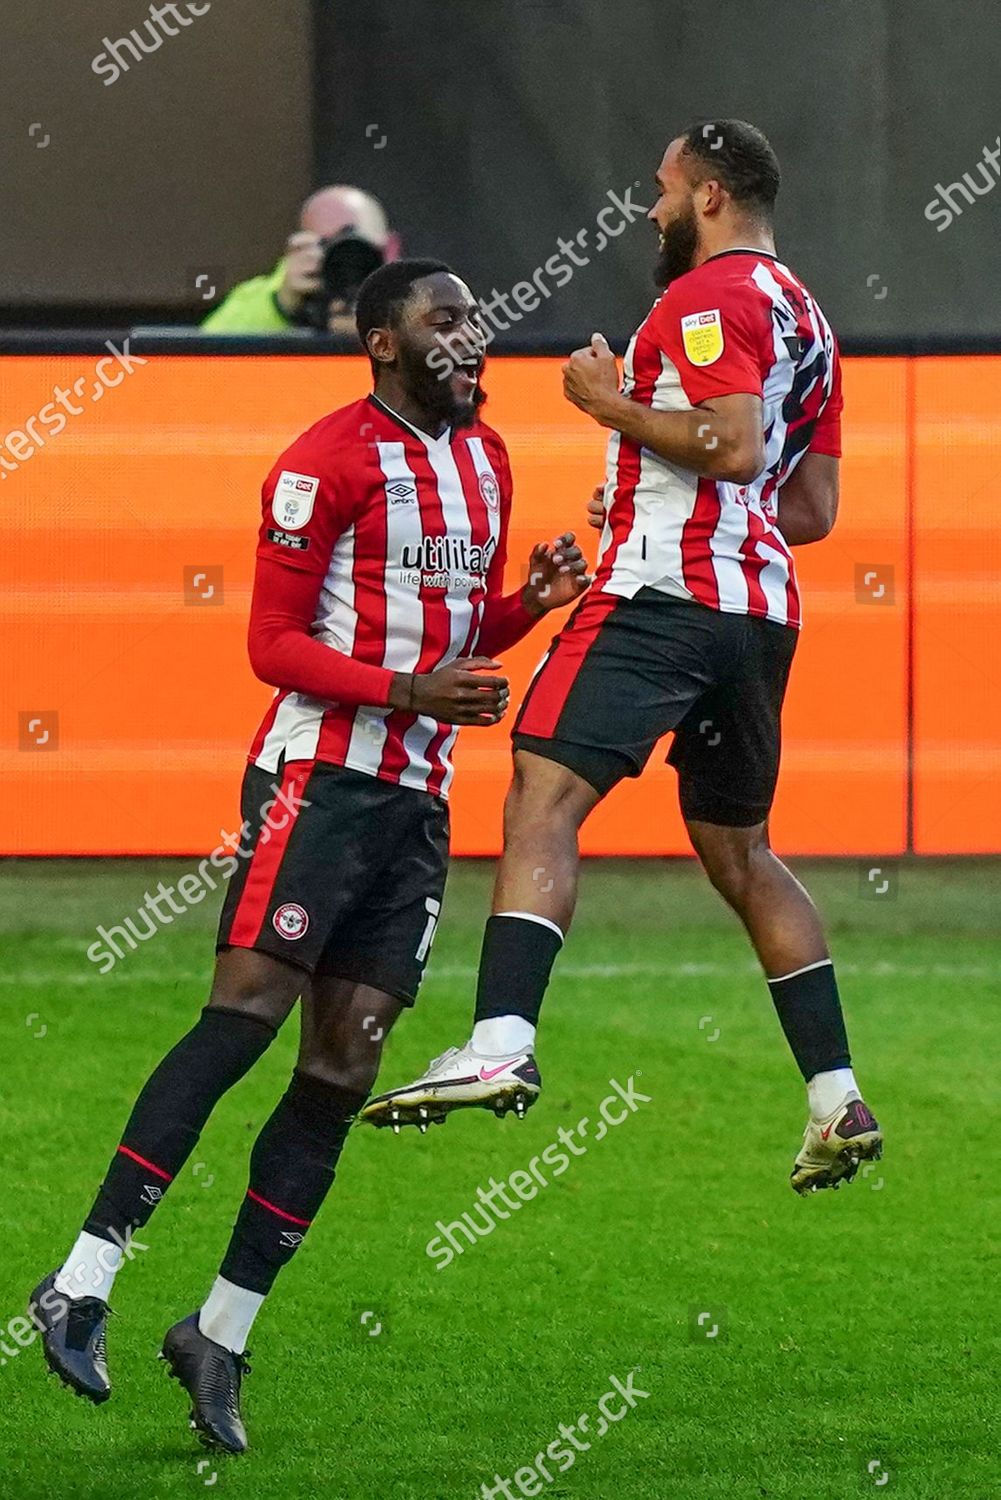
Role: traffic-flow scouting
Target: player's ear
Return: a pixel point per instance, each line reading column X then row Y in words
column 712, row 196
column 381, row 345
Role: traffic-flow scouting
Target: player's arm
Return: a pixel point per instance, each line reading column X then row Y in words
column 808, row 500
column 286, row 655
column 720, row 353
column 557, row 574
column 722, row 438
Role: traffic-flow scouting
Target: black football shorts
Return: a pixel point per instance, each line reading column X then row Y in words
column 339, row 873
column 624, row 672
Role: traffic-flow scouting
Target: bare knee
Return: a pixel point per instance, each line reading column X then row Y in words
column 255, row 984
column 344, row 1029
column 733, row 858
column 354, row 1073
column 350, row 1061
column 544, row 795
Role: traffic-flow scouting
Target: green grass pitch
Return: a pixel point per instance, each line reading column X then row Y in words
column 857, row 1332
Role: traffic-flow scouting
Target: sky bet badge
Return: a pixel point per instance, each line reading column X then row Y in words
column 295, row 495
column 702, row 334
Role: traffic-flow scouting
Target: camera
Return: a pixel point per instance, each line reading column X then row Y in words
column 346, row 260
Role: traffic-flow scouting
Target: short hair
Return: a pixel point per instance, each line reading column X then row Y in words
column 384, row 294
column 740, row 156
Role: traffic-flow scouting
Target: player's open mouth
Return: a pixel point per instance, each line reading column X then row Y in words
column 467, row 376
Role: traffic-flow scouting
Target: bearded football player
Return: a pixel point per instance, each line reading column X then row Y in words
column 377, row 613
column 723, row 456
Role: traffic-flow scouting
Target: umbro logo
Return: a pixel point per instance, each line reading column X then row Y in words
column 401, row 493
column 151, row 1193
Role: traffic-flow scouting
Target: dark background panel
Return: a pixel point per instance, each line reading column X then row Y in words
column 193, row 162
column 515, row 120
column 491, row 131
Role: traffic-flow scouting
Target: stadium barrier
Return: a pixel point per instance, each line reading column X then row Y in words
column 131, row 503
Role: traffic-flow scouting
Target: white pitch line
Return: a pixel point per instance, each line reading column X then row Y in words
column 888, row 970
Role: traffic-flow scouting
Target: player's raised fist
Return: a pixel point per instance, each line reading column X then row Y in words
column 458, row 693
column 591, row 376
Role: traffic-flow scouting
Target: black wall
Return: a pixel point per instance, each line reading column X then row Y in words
column 491, row 128
column 193, row 163
column 507, row 123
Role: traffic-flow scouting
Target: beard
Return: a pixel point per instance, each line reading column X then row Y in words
column 679, row 242
column 435, row 396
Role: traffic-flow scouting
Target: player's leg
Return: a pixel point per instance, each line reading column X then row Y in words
column 617, row 677
column 785, row 929
column 260, row 970
column 534, row 897
column 292, row 1168
column 727, row 755
column 395, row 840
column 251, row 996
column 535, row 893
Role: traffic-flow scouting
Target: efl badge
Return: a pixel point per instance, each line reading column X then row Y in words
column 490, row 490
column 290, row 921
column 702, row 335
column 295, row 495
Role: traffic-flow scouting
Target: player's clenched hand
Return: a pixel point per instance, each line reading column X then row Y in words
column 458, row 693
column 596, row 509
column 557, row 574
column 302, row 271
column 591, row 377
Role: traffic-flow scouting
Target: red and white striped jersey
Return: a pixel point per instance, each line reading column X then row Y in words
column 406, row 534
column 739, row 322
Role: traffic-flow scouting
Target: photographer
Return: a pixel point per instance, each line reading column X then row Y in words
column 343, row 235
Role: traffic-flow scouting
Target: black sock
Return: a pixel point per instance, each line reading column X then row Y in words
column 809, row 1009
column 169, row 1114
column 292, row 1168
column 515, row 964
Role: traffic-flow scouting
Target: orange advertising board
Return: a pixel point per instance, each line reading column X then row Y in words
column 129, row 534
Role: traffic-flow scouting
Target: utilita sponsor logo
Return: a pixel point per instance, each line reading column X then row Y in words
column 439, row 554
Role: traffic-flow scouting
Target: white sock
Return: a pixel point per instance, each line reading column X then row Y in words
column 228, row 1314
column 826, row 1091
column 502, row 1036
column 90, row 1268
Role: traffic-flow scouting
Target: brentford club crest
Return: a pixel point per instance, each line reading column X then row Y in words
column 290, row 921
column 490, row 490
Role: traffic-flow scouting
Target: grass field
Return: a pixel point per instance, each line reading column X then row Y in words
column 857, row 1331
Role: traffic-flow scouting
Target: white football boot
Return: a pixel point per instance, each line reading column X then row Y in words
column 833, row 1148
column 459, row 1079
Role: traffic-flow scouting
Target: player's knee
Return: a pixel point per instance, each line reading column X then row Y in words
column 732, row 858
column 543, row 794
column 254, row 984
column 353, row 1072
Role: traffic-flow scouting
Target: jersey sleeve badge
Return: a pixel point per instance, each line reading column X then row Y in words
column 702, row 336
column 294, row 498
